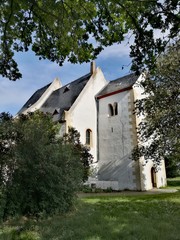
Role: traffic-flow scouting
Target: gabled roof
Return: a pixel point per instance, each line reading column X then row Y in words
column 118, row 85
column 34, row 98
column 64, row 97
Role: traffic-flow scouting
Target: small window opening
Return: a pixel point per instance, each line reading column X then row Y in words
column 88, row 136
column 110, row 110
column 115, row 108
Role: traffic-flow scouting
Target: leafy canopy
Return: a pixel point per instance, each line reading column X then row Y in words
column 78, row 30
column 159, row 132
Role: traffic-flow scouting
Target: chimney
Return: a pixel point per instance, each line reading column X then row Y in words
column 93, row 67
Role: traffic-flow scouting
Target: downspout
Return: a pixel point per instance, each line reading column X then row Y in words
column 97, row 122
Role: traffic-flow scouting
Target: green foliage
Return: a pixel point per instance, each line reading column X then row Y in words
column 73, row 137
column 159, row 132
column 94, row 189
column 40, row 173
column 174, row 182
column 172, row 165
column 8, row 136
column 86, row 189
column 24, row 235
column 78, row 30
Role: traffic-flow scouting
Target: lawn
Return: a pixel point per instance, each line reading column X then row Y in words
column 107, row 218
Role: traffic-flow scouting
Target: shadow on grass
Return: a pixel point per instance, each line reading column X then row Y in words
column 112, row 218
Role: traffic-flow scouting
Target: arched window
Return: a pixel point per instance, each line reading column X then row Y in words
column 113, row 109
column 110, row 110
column 115, row 105
column 88, row 136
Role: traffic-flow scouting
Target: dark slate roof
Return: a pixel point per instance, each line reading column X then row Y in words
column 118, row 85
column 34, row 98
column 63, row 98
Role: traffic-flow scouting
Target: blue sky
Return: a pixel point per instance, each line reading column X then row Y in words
column 37, row 73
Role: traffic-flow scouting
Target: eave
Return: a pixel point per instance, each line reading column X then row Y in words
column 113, row 93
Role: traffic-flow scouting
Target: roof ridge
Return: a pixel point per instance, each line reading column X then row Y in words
column 82, row 77
column 125, row 76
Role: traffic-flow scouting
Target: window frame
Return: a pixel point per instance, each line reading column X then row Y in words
column 110, row 110
column 88, row 137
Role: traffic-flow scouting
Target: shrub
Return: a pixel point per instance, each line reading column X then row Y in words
column 42, row 172
column 172, row 165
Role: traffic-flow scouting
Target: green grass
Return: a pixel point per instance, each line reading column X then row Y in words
column 123, row 217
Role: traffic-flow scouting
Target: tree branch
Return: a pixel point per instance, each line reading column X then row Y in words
column 6, row 25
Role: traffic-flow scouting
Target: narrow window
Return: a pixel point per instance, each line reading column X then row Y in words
column 115, row 108
column 88, row 136
column 110, row 110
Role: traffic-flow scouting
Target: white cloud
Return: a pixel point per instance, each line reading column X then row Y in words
column 116, row 50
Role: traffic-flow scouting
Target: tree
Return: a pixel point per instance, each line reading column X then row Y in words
column 78, row 30
column 8, row 136
column 159, row 132
column 73, row 137
column 172, row 165
column 41, row 173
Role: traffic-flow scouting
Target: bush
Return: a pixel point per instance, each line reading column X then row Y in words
column 73, row 137
column 172, row 166
column 42, row 172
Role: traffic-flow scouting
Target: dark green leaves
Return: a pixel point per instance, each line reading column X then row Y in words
column 78, row 30
column 159, row 133
column 39, row 172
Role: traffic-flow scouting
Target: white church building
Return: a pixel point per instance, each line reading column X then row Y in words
column 102, row 112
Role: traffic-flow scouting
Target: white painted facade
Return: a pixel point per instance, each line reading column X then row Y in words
column 146, row 175
column 117, row 137
column 83, row 114
column 112, row 137
column 146, row 169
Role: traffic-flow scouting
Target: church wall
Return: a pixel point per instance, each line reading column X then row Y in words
column 117, row 137
column 161, row 175
column 112, row 137
column 146, row 168
column 83, row 113
column 147, row 178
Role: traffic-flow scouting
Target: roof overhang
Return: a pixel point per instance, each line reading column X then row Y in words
column 113, row 93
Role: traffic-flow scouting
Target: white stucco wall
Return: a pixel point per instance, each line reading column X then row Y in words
column 146, row 177
column 83, row 114
column 117, row 137
column 145, row 168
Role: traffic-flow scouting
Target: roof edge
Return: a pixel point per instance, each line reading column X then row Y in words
column 115, row 92
column 56, row 84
